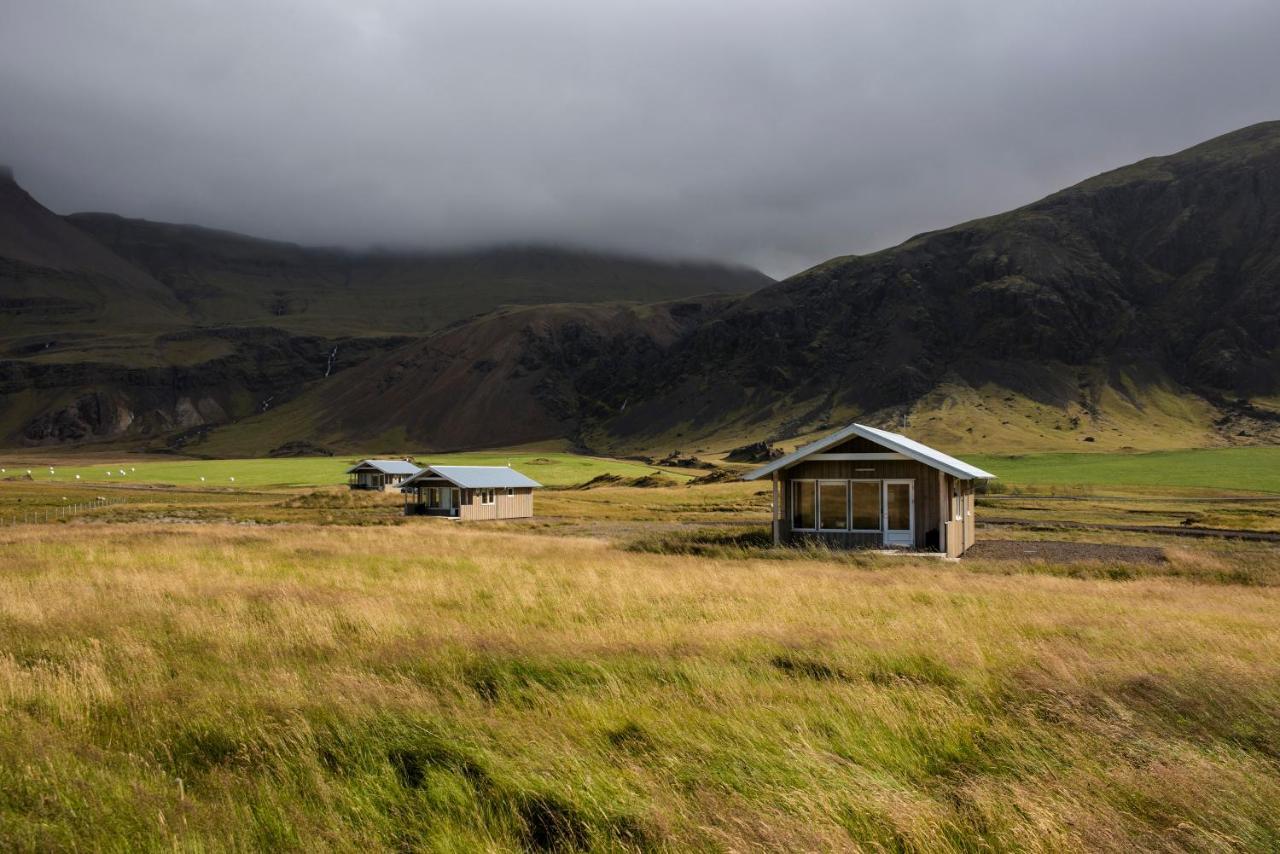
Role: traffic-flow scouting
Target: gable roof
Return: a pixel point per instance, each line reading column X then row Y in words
column 476, row 477
column 909, row 448
column 386, row 466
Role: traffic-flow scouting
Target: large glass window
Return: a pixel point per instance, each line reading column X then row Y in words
column 866, row 505
column 803, row 504
column 833, row 505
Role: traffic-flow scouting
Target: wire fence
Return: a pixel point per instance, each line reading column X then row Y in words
column 56, row 512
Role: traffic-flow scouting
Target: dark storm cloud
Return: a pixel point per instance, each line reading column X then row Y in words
column 776, row 134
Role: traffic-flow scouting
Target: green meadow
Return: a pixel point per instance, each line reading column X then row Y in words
column 279, row 663
column 549, row 469
column 1236, row 470
column 1245, row 469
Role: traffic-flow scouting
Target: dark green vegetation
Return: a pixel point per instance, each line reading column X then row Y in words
column 1138, row 308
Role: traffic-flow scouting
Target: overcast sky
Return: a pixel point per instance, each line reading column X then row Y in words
column 774, row 134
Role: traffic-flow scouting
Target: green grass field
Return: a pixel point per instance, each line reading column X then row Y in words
column 1234, row 470
column 300, row 688
column 549, row 469
column 1249, row 469
column 280, row 663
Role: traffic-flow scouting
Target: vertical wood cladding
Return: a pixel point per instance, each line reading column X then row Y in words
column 504, row 506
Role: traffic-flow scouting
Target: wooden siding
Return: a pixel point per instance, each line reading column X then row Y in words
column 504, row 506
column 856, row 445
column 927, row 496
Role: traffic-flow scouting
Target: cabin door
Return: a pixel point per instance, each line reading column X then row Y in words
column 899, row 513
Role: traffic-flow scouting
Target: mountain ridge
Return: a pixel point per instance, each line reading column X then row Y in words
column 121, row 330
column 1139, row 307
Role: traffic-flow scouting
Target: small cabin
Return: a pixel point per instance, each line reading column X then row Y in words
column 862, row 487
column 469, row 493
column 384, row 475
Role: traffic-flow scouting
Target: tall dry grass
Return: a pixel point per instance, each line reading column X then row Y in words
column 431, row 687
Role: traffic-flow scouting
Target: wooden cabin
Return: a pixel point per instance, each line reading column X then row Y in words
column 385, row 475
column 862, row 487
column 469, row 493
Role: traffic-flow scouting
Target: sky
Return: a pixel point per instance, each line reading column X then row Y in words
column 773, row 134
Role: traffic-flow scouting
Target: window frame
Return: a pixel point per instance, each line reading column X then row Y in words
column 795, row 483
column 487, row 496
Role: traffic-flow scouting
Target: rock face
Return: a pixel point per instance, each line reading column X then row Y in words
column 756, row 452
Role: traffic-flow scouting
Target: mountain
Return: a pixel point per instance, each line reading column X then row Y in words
column 1139, row 308
column 122, row 330
column 224, row 278
column 497, row 381
column 55, row 276
column 1142, row 301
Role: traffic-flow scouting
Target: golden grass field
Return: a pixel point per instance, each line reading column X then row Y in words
column 632, row 670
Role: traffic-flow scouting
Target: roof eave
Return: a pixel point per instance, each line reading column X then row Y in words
column 798, row 455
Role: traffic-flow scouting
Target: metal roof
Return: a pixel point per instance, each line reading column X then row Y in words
column 386, row 466
column 476, row 477
column 893, row 441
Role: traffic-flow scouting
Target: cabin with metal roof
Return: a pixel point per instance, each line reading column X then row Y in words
column 469, row 493
column 862, row 487
column 385, row 475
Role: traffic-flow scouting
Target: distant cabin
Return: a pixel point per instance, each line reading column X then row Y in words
column 386, row 475
column 862, row 487
column 469, row 493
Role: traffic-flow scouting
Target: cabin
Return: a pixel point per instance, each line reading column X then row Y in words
column 469, row 493
column 862, row 487
column 385, row 475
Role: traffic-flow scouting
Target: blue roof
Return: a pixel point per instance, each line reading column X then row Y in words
column 387, row 466
column 476, row 477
